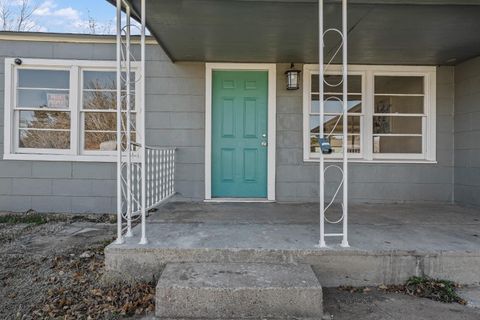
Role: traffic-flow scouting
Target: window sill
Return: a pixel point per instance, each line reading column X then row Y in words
column 392, row 161
column 60, row 157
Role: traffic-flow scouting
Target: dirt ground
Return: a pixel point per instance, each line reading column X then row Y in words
column 53, row 270
column 378, row 305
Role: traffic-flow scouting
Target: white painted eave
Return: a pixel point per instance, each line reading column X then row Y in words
column 65, row 37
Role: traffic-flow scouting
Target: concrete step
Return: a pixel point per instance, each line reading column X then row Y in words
column 238, row 290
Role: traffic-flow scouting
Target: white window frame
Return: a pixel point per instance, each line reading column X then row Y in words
column 307, row 105
column 76, row 152
column 368, row 73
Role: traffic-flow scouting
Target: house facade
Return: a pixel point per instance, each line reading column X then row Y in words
column 238, row 132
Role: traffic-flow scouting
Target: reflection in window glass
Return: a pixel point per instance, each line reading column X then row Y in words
column 99, row 119
column 334, row 84
column 334, row 104
column 105, row 80
column 44, row 120
column 51, row 79
column 38, row 98
column 399, row 85
column 354, row 142
column 333, row 124
column 103, row 141
column 100, row 100
column 397, row 144
column 397, row 125
column 105, row 121
column 399, row 104
column 105, row 100
column 49, row 90
column 398, row 115
column 333, row 108
column 44, row 139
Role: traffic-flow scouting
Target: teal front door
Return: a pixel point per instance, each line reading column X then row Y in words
column 239, row 134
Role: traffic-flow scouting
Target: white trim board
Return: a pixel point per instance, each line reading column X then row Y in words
column 272, row 114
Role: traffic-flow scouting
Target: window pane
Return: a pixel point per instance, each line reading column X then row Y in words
column 399, row 85
column 101, row 80
column 104, row 100
column 100, row 100
column 398, row 104
column 397, row 125
column 353, row 144
column 333, row 105
column 103, row 141
column 44, row 139
column 44, row 120
column 55, row 79
column 334, row 124
column 354, row 83
column 28, row 98
column 336, row 143
column 397, row 144
column 314, row 145
column 105, row 121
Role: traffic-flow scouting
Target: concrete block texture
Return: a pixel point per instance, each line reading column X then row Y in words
column 238, row 290
column 175, row 108
column 175, row 105
column 467, row 133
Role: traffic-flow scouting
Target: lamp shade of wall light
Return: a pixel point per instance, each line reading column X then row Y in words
column 293, row 78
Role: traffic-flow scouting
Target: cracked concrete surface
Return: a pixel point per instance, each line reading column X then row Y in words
column 428, row 227
column 389, row 243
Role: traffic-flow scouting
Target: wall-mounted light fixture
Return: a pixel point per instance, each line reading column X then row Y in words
column 293, row 78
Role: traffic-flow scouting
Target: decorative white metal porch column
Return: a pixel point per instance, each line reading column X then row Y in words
column 343, row 169
column 145, row 174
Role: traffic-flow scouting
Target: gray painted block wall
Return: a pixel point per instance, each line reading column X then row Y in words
column 175, row 99
column 175, row 104
column 467, row 132
column 60, row 186
column 54, row 186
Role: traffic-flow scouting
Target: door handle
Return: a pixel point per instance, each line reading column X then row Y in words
column 264, row 143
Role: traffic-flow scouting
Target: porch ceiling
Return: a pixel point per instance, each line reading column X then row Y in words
column 421, row 32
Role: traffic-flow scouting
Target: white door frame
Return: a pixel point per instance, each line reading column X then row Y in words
column 272, row 106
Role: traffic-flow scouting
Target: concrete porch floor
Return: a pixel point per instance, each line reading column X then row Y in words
column 388, row 243
column 295, row 226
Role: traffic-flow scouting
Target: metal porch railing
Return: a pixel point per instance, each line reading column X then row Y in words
column 145, row 174
column 160, row 175
column 159, row 184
